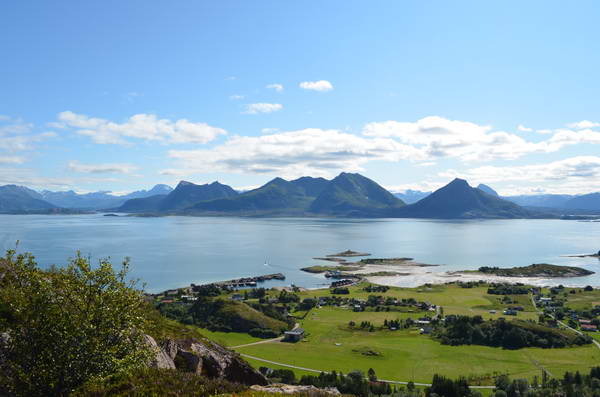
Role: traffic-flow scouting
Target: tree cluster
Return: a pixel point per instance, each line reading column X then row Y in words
column 465, row 330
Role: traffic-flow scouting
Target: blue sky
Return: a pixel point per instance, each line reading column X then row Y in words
column 120, row 95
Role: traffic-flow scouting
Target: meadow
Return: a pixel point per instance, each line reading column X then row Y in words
column 403, row 355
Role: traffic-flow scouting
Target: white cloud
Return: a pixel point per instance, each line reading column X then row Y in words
column 18, row 135
column 310, row 151
column 563, row 137
column 11, row 160
column 522, row 128
column 321, row 85
column 140, row 126
column 255, row 108
column 438, row 137
column 269, row 130
column 108, row 168
column 236, row 97
column 276, row 87
column 572, row 175
column 583, row 124
column 30, row 178
column 544, row 131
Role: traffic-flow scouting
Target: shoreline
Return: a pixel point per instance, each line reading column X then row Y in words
column 417, row 275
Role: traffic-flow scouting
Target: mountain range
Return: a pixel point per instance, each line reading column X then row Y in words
column 347, row 195
column 96, row 200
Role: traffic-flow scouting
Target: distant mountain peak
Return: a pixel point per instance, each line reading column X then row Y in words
column 459, row 182
column 184, row 183
column 487, row 189
column 459, row 200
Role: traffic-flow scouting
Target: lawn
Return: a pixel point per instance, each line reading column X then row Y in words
column 582, row 300
column 228, row 339
column 454, row 299
column 405, row 355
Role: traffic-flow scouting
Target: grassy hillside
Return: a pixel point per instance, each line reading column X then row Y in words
column 459, row 200
column 537, row 270
column 353, row 194
column 277, row 195
column 221, row 314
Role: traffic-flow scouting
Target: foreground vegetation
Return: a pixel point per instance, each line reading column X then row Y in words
column 64, row 326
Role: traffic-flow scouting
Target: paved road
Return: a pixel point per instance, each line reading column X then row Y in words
column 318, row 371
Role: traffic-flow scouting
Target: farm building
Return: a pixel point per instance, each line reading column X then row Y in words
column 294, row 335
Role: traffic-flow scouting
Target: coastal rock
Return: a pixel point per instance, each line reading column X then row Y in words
column 218, row 362
column 190, row 361
column 311, row 391
column 161, row 359
column 170, row 347
column 206, row 358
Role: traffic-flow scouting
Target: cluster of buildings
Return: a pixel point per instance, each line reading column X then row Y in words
column 586, row 325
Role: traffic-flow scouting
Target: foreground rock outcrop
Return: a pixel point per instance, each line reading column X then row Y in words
column 205, row 358
column 311, row 391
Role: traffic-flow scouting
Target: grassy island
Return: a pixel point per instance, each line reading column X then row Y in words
column 537, row 270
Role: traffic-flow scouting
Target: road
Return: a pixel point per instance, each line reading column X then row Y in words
column 260, row 342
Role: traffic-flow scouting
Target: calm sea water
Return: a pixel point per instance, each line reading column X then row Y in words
column 176, row 251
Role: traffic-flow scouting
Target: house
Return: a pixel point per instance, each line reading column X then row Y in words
column 511, row 312
column 589, row 328
column 426, row 330
column 583, row 321
column 358, row 308
column 424, row 320
column 294, row 335
column 237, row 297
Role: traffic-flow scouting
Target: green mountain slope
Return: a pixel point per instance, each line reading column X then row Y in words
column 459, row 200
column 354, row 195
column 183, row 196
column 278, row 195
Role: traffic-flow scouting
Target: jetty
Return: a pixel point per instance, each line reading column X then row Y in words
column 250, row 281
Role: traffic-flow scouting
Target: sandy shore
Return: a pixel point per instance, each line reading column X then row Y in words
column 414, row 274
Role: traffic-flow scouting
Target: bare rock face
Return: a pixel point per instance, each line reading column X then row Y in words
column 189, row 362
column 311, row 391
column 161, row 359
column 205, row 358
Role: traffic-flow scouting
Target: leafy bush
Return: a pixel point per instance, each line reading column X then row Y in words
column 66, row 326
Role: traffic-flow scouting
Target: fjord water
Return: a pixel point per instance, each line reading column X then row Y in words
column 169, row 252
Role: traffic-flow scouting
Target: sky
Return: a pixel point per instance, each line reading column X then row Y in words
column 121, row 95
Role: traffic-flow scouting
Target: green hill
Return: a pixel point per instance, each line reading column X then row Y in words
column 227, row 315
column 183, row 196
column 459, row 200
column 277, row 196
column 354, row 195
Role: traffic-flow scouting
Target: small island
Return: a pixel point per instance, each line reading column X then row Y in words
column 536, row 270
column 596, row 255
column 348, row 253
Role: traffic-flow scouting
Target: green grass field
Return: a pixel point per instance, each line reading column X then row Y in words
column 404, row 355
